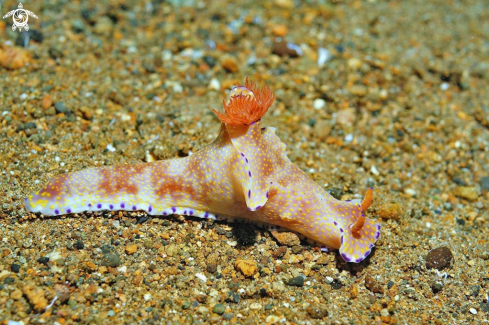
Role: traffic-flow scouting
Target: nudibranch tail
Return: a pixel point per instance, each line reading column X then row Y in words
column 358, row 241
column 247, row 104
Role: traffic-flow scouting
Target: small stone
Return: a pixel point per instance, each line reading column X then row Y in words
column 469, row 193
column 286, row 238
column 297, row 281
column 43, row 260
column 372, row 285
column 473, row 311
column 484, row 182
column 131, row 249
column 353, row 291
column 16, row 294
column 219, row 309
column 15, row 268
column 228, row 316
column 103, row 26
column 436, row 286
column 211, row 267
column 230, row 65
column 346, row 117
column 111, row 260
column 36, row 298
column 280, row 252
column 317, row 311
column 61, row 108
column 14, row 57
column 62, row 292
column 78, row 26
column 186, row 304
column 283, row 48
column 47, row 101
column 279, row 30
column 439, row 258
column 79, row 244
column 319, row 103
column 358, row 90
column 390, row 210
column 246, row 267
column 90, row 265
column 111, row 313
column 354, row 63
column 214, row 84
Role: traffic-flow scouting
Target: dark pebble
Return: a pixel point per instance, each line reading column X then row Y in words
column 219, row 309
column 372, row 285
column 337, row 284
column 283, row 48
column 166, row 223
column 436, row 286
column 111, row 260
column 210, row 61
column 220, row 231
column 15, row 268
column 439, row 258
column 8, row 280
column 25, row 37
column 43, row 260
column 390, row 284
column 55, row 52
column 335, row 192
column 228, row 234
column 79, row 244
column 317, row 311
column 78, row 26
column 268, row 306
column 296, row 249
column 61, row 108
column 228, row 316
column 484, row 183
column 461, row 222
column 211, row 267
column 297, row 281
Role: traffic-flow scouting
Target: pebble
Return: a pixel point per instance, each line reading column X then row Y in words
column 297, row 281
column 439, row 258
column 111, row 260
column 214, row 84
column 469, row 193
column 14, row 57
column 15, row 268
column 47, row 101
column 283, row 48
column 390, row 210
column 319, row 103
column 131, row 249
column 372, row 285
column 35, row 296
column 211, row 267
column 230, row 65
column 227, row 316
column 358, row 90
column 219, row 309
column 61, row 108
column 103, row 26
column 246, row 267
column 436, row 286
column 280, row 30
column 484, row 182
column 473, row 311
column 111, row 313
column 317, row 311
column 286, row 238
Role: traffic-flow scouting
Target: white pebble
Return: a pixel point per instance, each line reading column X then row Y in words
column 444, row 86
column 214, row 84
column 374, row 170
column 319, row 103
column 201, row 277
column 329, row 279
column 147, row 296
column 349, row 137
column 410, row 191
column 323, row 56
column 23, row 96
column 473, row 311
column 110, row 147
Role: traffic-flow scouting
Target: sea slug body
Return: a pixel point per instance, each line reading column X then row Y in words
column 244, row 173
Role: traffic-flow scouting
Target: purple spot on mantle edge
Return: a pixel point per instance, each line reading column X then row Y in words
column 249, row 173
column 335, row 223
column 89, row 204
column 246, row 159
column 150, row 208
column 242, row 154
column 206, row 215
column 191, row 212
column 122, row 205
column 134, row 207
column 99, row 206
column 56, row 211
column 111, row 206
column 174, row 209
column 346, row 258
column 249, row 194
column 68, row 211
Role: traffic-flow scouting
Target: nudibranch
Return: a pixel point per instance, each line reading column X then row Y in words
column 243, row 174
